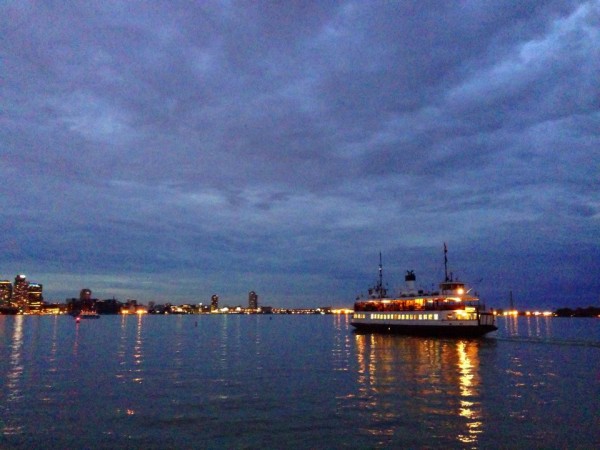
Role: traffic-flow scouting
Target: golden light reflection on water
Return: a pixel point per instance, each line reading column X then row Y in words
column 122, row 348
column 16, row 366
column 76, row 339
column 469, row 384
column 15, row 374
column 511, row 325
column 342, row 348
column 52, row 360
column 138, row 354
column 131, row 368
column 536, row 327
column 431, row 380
column 224, row 345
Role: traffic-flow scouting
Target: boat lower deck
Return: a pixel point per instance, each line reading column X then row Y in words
column 428, row 323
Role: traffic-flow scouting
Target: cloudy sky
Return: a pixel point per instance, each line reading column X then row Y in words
column 170, row 150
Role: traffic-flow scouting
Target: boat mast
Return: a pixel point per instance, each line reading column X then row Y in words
column 446, row 262
column 380, row 285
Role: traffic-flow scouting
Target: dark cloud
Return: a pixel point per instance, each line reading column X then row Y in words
column 170, row 150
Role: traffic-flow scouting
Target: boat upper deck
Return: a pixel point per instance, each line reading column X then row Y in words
column 451, row 294
column 438, row 303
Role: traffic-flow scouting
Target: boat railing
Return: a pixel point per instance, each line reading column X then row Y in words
column 486, row 319
column 399, row 306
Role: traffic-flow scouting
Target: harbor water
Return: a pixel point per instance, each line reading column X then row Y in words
column 293, row 381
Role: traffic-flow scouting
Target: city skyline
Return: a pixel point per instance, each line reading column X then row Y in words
column 169, row 151
column 24, row 293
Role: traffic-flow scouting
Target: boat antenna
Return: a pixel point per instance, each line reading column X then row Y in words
column 446, row 262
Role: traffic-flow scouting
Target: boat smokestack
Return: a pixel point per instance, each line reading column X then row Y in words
column 410, row 279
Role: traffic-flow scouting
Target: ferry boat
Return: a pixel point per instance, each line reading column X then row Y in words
column 450, row 311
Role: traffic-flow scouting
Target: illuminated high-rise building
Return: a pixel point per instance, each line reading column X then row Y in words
column 5, row 292
column 214, row 303
column 20, row 294
column 252, row 300
column 35, row 299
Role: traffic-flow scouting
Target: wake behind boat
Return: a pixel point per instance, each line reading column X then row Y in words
column 450, row 311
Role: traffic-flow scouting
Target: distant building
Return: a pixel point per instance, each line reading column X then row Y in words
column 252, row 300
column 20, row 294
column 214, row 303
column 35, row 299
column 85, row 302
column 109, row 306
column 203, row 308
column 5, row 292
